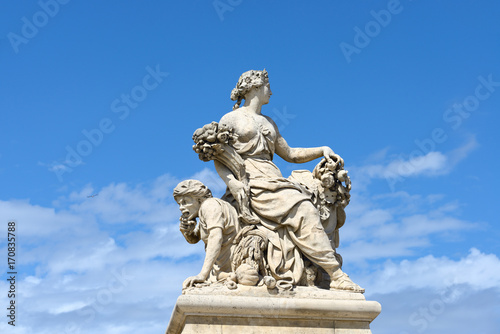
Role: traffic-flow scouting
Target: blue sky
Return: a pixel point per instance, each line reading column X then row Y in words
column 407, row 92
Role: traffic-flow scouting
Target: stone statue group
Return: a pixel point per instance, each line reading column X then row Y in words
column 266, row 229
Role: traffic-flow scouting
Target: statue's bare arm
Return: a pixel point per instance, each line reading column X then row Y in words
column 235, row 186
column 224, row 172
column 213, row 248
column 299, row 154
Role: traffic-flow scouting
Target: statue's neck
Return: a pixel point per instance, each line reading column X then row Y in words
column 253, row 105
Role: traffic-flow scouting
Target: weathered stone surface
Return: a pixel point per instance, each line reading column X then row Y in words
column 257, row 310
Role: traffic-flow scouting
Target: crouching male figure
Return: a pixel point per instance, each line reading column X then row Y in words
column 218, row 226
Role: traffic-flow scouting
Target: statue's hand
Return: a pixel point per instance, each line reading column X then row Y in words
column 329, row 154
column 238, row 188
column 241, row 193
column 188, row 282
column 187, row 226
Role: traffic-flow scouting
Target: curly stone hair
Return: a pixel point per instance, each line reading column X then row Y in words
column 192, row 188
column 248, row 80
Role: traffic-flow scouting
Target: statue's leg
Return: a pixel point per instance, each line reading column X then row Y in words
column 308, row 235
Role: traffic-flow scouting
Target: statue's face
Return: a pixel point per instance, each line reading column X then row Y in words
column 266, row 92
column 189, row 207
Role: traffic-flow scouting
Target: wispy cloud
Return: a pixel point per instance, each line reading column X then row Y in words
column 457, row 309
column 75, row 252
column 397, row 225
column 478, row 270
column 82, row 271
column 436, row 295
column 396, row 168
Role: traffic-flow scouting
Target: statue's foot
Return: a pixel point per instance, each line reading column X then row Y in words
column 342, row 281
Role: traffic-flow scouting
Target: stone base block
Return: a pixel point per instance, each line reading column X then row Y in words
column 257, row 310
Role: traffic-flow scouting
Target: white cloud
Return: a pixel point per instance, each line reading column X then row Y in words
column 140, row 294
column 74, row 258
column 396, row 224
column 150, row 203
column 430, row 164
column 56, row 167
column 116, row 262
column 64, row 308
column 415, row 164
column 36, row 221
column 457, row 309
column 437, row 295
column 433, row 163
column 120, row 203
column 462, row 152
column 477, row 270
column 212, row 180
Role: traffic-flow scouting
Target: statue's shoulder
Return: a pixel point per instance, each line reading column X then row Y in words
column 231, row 117
column 214, row 202
column 209, row 203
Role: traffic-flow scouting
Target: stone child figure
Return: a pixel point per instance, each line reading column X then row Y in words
column 218, row 226
column 278, row 203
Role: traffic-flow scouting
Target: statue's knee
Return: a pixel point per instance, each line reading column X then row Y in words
column 308, row 210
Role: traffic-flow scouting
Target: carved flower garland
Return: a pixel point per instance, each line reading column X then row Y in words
column 210, row 138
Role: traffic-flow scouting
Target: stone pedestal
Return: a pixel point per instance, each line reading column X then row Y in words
column 257, row 310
